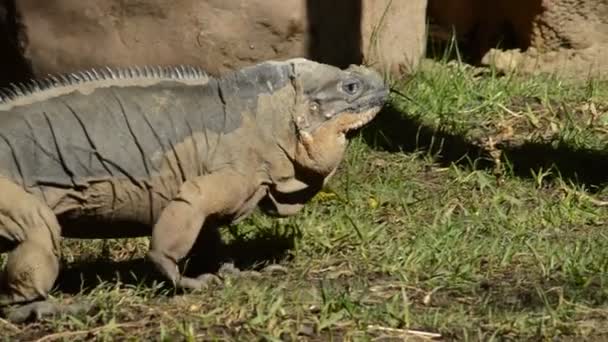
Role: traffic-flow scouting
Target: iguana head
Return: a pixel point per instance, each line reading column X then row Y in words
column 330, row 103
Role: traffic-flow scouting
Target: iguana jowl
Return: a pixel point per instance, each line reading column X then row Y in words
column 159, row 151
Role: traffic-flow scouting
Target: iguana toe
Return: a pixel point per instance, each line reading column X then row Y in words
column 209, row 279
column 199, row 283
column 275, row 269
column 228, row 269
column 39, row 310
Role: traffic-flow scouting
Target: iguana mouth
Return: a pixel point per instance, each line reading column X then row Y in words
column 350, row 118
column 358, row 116
column 358, row 120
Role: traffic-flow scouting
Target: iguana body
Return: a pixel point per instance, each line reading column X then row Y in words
column 164, row 152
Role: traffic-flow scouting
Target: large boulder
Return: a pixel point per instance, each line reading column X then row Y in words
column 565, row 36
column 66, row 35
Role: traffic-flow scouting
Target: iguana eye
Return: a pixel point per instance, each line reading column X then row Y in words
column 351, row 87
column 314, row 107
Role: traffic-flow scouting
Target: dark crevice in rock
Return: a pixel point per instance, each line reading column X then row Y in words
column 480, row 26
column 335, row 31
column 14, row 67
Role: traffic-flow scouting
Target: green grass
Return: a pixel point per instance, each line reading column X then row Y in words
column 509, row 243
column 477, row 103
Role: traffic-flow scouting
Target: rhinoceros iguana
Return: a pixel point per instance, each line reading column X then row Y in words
column 160, row 151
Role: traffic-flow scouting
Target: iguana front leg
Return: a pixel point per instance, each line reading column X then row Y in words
column 30, row 233
column 173, row 236
column 289, row 197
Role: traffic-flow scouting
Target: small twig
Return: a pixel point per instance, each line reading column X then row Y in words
column 418, row 333
column 596, row 202
column 508, row 110
column 56, row 336
column 10, row 325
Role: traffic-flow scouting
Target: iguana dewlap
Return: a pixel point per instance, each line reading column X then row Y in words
column 159, row 151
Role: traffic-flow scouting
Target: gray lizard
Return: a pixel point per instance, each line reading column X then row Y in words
column 160, row 152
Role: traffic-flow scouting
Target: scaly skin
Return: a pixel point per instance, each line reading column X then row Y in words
column 165, row 154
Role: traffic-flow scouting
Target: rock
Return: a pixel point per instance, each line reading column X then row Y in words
column 565, row 36
column 400, row 40
column 388, row 34
column 219, row 35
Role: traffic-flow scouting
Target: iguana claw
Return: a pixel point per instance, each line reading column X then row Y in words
column 199, row 283
column 228, row 269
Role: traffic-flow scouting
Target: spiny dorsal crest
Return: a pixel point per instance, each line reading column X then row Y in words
column 105, row 75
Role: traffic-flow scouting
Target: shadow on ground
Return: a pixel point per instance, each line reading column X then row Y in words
column 394, row 131
column 246, row 254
